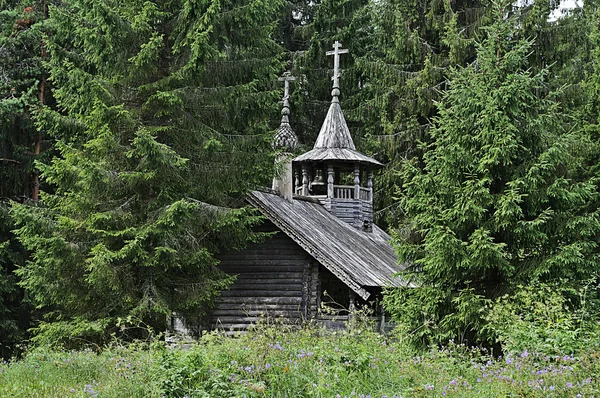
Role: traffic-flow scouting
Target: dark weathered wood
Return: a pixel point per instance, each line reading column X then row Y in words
column 335, row 142
column 256, row 255
column 271, row 313
column 269, row 284
column 247, row 319
column 245, row 326
column 261, row 293
column 257, row 307
column 270, row 266
column 357, row 258
column 260, row 300
column 277, row 277
column 270, row 278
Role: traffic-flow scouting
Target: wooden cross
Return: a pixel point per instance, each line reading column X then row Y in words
column 337, row 50
column 286, row 79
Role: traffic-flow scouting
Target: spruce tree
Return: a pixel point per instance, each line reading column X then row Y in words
column 495, row 201
column 165, row 111
column 22, row 87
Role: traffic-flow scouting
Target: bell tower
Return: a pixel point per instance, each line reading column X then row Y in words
column 334, row 172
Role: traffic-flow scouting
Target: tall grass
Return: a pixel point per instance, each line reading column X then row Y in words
column 276, row 362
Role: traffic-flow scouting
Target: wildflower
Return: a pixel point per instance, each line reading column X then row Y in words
column 268, row 366
column 508, row 360
column 428, row 386
column 276, row 346
column 88, row 388
column 569, row 385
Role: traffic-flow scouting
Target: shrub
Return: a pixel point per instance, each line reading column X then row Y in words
column 544, row 318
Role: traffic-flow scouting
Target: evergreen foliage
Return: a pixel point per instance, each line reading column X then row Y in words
column 163, row 122
column 495, row 202
column 21, row 73
column 149, row 121
column 412, row 46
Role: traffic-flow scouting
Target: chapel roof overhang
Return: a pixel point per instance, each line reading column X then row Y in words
column 359, row 259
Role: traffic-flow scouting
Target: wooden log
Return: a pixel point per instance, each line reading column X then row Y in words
column 268, row 281
column 260, row 300
column 235, row 269
column 250, row 319
column 266, row 285
column 274, row 255
column 244, row 326
column 261, row 293
column 255, row 313
column 279, row 276
column 256, row 307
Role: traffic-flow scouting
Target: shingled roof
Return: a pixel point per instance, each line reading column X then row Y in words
column 359, row 259
column 334, row 141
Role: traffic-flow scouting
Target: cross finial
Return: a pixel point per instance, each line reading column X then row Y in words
column 286, row 79
column 337, row 50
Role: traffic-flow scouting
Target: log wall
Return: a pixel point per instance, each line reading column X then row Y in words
column 275, row 279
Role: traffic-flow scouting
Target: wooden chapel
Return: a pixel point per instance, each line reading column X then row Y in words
column 325, row 247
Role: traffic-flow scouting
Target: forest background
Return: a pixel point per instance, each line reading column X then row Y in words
column 131, row 130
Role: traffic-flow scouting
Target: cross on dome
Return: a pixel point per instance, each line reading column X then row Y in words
column 285, row 138
column 337, row 50
column 286, row 79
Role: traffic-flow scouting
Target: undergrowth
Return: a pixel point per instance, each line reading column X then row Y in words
column 279, row 362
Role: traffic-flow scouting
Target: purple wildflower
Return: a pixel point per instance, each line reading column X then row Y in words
column 276, row 346
column 88, row 388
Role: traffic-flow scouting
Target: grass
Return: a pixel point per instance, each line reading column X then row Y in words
column 311, row 363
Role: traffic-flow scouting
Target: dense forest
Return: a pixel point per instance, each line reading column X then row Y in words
column 131, row 131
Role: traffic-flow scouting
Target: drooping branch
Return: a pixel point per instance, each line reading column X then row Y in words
column 13, row 161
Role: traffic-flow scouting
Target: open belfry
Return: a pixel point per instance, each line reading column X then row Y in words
column 325, row 247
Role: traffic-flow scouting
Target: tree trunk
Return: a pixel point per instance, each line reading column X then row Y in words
column 38, row 135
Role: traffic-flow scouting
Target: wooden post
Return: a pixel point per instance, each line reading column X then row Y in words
column 351, row 308
column 330, row 179
column 370, row 185
column 304, row 181
column 296, row 180
column 356, row 181
column 382, row 321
